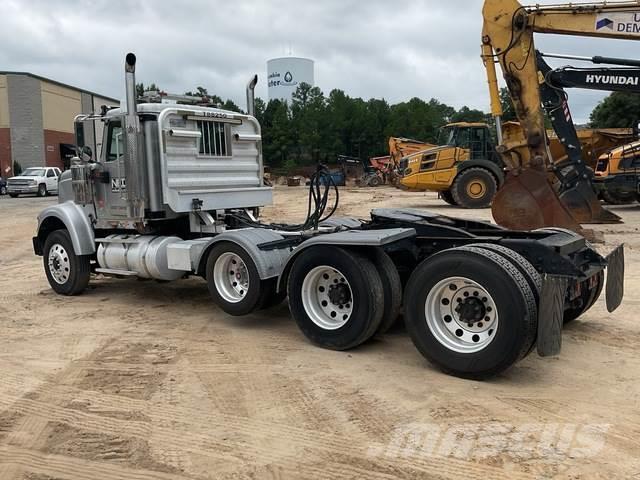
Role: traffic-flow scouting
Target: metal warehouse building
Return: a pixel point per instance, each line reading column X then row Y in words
column 36, row 120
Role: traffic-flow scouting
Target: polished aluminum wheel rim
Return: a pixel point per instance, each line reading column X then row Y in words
column 327, row 297
column 59, row 264
column 231, row 277
column 461, row 315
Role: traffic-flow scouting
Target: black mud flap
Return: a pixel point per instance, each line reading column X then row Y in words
column 550, row 315
column 615, row 278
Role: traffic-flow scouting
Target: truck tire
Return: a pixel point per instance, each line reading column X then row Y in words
column 336, row 297
column 618, row 198
column 448, row 198
column 233, row 280
column 533, row 277
column 392, row 287
column 67, row 273
column 374, row 181
column 470, row 286
column 474, row 187
column 3, row 190
column 13, row 195
column 42, row 190
column 588, row 298
column 271, row 296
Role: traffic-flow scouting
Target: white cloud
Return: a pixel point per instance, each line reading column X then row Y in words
column 396, row 50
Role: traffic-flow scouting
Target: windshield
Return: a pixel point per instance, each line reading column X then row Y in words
column 447, row 136
column 33, row 172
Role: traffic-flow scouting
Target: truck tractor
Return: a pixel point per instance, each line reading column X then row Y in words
column 174, row 193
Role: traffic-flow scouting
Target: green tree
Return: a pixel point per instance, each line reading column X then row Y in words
column 140, row 88
column 466, row 114
column 508, row 111
column 618, row 110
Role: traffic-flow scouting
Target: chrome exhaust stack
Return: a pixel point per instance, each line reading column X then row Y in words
column 130, row 83
column 134, row 156
column 251, row 98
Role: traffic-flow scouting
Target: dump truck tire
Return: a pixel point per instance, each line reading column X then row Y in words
column 68, row 273
column 336, row 297
column 233, row 280
column 474, row 187
column 448, row 198
column 470, row 285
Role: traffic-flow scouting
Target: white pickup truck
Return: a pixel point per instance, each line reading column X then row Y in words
column 38, row 180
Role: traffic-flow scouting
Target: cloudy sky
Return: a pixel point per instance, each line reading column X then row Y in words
column 392, row 50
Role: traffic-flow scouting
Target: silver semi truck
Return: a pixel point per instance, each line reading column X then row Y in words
column 175, row 190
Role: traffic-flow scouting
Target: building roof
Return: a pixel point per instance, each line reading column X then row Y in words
column 55, row 82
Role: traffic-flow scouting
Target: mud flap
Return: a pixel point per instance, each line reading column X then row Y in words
column 615, row 278
column 550, row 315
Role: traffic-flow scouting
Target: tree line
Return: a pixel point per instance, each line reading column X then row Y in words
column 316, row 127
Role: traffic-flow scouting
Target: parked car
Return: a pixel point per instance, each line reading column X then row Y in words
column 3, row 186
column 39, row 180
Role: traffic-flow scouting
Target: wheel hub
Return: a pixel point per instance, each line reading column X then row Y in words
column 339, row 294
column 59, row 264
column 327, row 297
column 231, row 277
column 471, row 310
column 461, row 314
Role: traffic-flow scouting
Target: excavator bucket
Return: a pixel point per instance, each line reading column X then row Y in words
column 585, row 206
column 527, row 201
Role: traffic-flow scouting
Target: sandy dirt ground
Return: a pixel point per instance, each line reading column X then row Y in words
column 140, row 380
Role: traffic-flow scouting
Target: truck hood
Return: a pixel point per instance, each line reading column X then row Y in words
column 27, row 177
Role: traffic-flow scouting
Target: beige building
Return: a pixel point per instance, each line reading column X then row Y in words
column 36, row 121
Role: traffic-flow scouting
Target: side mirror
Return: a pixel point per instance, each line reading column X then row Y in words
column 86, row 151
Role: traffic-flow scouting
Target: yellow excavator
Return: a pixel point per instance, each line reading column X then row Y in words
column 528, row 199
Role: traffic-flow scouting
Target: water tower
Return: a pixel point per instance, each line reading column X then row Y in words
column 285, row 74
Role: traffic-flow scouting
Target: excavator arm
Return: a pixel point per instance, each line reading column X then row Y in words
column 528, row 200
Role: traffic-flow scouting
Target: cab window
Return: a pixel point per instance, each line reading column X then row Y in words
column 51, row 173
column 115, row 142
column 462, row 138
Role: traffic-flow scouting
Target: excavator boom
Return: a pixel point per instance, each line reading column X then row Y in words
column 528, row 200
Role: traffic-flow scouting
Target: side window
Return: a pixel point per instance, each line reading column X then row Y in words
column 462, row 138
column 50, row 173
column 58, row 172
column 478, row 143
column 115, row 142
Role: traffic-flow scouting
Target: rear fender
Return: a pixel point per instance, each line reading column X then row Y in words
column 346, row 239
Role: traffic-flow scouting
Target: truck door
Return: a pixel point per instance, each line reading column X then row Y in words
column 111, row 201
column 51, row 180
column 478, row 144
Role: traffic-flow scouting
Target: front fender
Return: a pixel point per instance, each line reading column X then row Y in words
column 75, row 219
